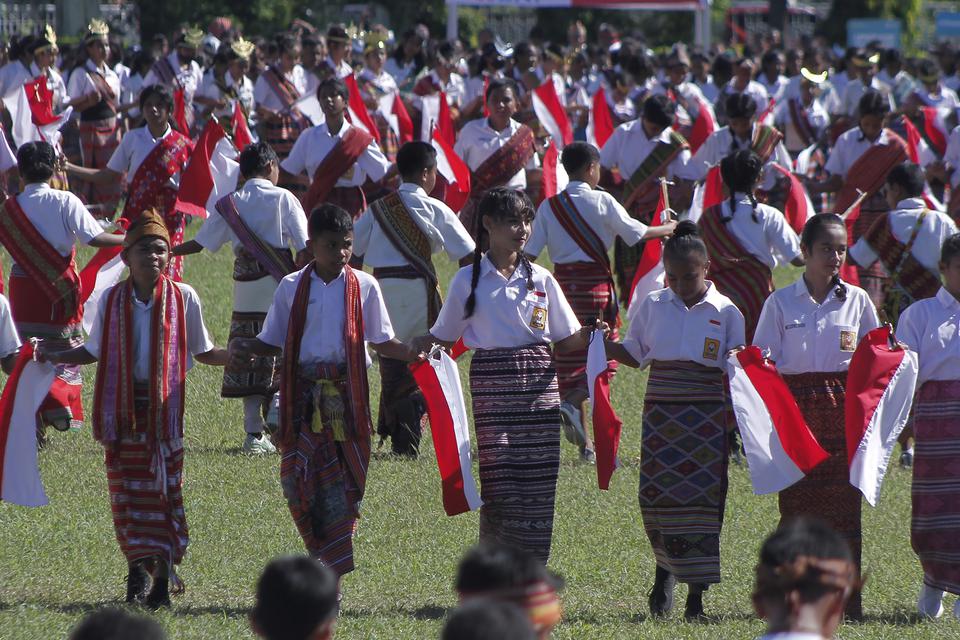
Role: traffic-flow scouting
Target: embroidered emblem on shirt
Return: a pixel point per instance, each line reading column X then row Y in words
column 711, row 348
column 848, row 340
column 714, row 321
column 538, row 320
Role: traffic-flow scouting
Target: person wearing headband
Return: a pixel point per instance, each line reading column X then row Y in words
column 376, row 85
column 865, row 63
column 44, row 49
column 226, row 82
column 180, row 71
column 895, row 76
column 337, row 63
column 801, row 116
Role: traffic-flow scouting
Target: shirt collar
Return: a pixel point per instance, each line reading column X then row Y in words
column 800, row 290
column 316, row 278
column 911, row 203
column 712, row 297
column 409, row 187
column 946, row 298
column 36, row 186
column 506, row 132
column 578, row 185
column 257, row 182
column 487, row 267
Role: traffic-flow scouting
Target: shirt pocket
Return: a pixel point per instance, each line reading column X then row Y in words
column 534, row 311
column 844, row 337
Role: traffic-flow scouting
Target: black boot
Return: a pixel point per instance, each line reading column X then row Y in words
column 660, row 599
column 694, row 609
column 138, row 583
column 159, row 595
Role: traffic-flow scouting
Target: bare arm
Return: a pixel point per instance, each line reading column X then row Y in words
column 579, row 339
column 107, row 240
column 96, row 176
column 662, row 231
column 188, row 248
column 616, row 351
column 396, row 350
column 77, row 355
column 216, row 357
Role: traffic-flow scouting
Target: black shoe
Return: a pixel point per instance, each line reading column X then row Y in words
column 694, row 609
column 159, row 595
column 660, row 598
column 138, row 583
column 906, row 460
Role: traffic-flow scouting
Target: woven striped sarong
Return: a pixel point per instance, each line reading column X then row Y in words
column 935, row 522
column 98, row 140
column 873, row 279
column 587, row 288
column 826, row 492
column 323, row 480
column 683, row 468
column 516, row 411
column 260, row 376
column 350, row 199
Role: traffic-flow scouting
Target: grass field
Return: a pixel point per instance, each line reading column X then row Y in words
column 61, row 561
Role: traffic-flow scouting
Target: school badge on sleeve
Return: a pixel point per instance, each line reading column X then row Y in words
column 538, row 320
column 711, row 348
column 848, row 340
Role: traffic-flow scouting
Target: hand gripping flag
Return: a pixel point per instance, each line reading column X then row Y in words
column 599, row 122
column 552, row 115
column 606, row 424
column 439, row 381
column 25, row 390
column 649, row 274
column 780, row 448
column 880, row 386
column 211, row 172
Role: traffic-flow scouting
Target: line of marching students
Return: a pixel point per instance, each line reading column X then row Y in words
column 304, row 315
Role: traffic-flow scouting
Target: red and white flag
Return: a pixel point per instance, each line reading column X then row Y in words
column 455, row 187
column 766, row 117
column 554, row 177
column 935, row 129
column 706, row 195
column 402, row 117
column 599, row 121
column 880, row 385
column 241, row 129
column 802, row 164
column 180, row 106
column 211, row 173
column 99, row 274
column 780, row 448
column 606, row 423
column 552, row 115
column 649, row 274
column 31, row 114
column 439, row 381
column 704, row 125
column 23, row 394
column 357, row 113
column 798, row 207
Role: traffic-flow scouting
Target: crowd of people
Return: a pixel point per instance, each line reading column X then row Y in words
column 728, row 163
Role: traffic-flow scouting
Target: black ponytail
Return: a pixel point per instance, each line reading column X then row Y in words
column 740, row 172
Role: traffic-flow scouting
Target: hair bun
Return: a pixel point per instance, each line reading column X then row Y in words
column 686, row 228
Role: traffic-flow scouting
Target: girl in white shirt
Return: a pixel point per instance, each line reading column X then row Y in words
column 510, row 311
column 929, row 327
column 811, row 330
column 683, row 333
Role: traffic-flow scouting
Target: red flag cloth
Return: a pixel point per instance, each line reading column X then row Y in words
column 180, row 113
column 548, row 181
column 454, row 171
column 601, row 122
column 196, row 181
column 403, row 119
column 798, row 208
column 552, row 115
column 649, row 274
column 40, row 98
column 607, row 425
column 713, row 189
column 445, row 122
column 767, row 112
column 357, row 112
column 913, row 140
column 703, row 126
column 241, row 131
column 931, row 126
column 88, row 275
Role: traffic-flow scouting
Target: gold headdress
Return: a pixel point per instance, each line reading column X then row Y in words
column 192, row 37
column 97, row 30
column 243, row 48
column 373, row 41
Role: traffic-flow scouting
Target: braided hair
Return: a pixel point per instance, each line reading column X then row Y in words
column 498, row 204
column 740, row 172
column 811, row 233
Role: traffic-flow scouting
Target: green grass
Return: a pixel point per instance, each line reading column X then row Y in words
column 61, row 561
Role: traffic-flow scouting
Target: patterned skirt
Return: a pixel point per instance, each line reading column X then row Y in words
column 516, row 411
column 323, row 480
column 873, row 279
column 281, row 135
column 589, row 291
column 350, row 199
column 98, row 140
column 683, row 468
column 935, row 523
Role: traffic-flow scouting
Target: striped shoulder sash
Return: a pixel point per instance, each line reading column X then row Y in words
column 576, row 226
column 275, row 261
column 765, row 140
column 643, row 181
column 898, row 258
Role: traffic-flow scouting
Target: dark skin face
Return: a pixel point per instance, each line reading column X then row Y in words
column 508, row 234
column 686, row 276
column 871, row 126
column 97, row 51
column 827, row 252
column 332, row 104
column 951, row 276
column 147, row 259
column 290, row 59
column 502, row 104
column 677, row 73
column 331, row 251
column 185, row 53
column 155, row 112
column 741, row 127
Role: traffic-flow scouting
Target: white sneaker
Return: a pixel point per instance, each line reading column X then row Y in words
column 258, row 446
column 930, row 603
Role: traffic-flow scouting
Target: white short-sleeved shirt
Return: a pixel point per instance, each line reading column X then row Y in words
column 344, row 69
column 756, row 91
column 854, row 90
column 769, row 239
column 602, row 213
column 14, row 74
column 945, row 100
column 81, row 84
column 628, row 146
column 806, row 337
column 198, row 339
column 59, row 216
column 9, row 338
column 188, row 77
column 817, row 116
column 266, row 97
column 930, row 328
column 722, row 143
column 272, row 213
column 664, row 328
column 438, row 222
column 244, row 88
column 455, row 89
column 478, row 141
column 313, row 145
column 852, row 144
column 399, row 72
column 506, row 314
column 936, row 228
column 322, row 339
column 133, row 149
column 776, row 87
column 382, row 81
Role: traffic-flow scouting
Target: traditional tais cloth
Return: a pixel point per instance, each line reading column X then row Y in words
column 722, row 143
column 683, row 468
column 99, row 126
column 628, row 147
column 313, row 146
column 477, row 141
column 281, row 94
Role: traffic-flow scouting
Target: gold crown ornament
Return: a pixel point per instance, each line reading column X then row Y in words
column 97, row 30
column 373, row 41
column 813, row 78
column 243, row 48
column 193, row 37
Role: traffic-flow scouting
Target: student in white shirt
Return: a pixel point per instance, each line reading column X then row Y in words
column 226, row 82
column 771, row 75
column 385, row 237
column 811, row 329
column 801, row 116
column 804, row 579
column 274, row 217
column 743, row 83
column 510, row 311
column 929, row 328
column 377, row 88
column 578, row 227
column 180, row 70
column 683, row 333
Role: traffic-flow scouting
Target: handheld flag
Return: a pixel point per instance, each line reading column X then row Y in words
column 552, row 115
column 606, row 424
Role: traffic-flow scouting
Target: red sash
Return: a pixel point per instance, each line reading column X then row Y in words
column 733, row 270
column 869, row 172
column 343, row 155
column 905, row 269
column 53, row 274
column 106, row 91
column 358, row 391
column 504, row 163
column 798, row 115
column 169, row 156
column 642, row 190
column 114, row 413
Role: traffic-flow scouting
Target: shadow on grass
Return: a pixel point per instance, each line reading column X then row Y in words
column 75, row 608
column 427, row 612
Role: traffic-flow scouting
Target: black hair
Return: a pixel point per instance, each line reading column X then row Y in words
column 910, row 177
column 488, row 619
column 295, row 595
column 413, row 157
column 160, row 91
column 577, row 156
column 873, row 103
column 927, row 67
column 112, row 623
column 501, row 83
column 811, row 233
column 328, row 217
column 804, row 537
column 892, row 56
column 773, row 55
column 950, row 248
column 36, row 161
column 497, row 204
column 493, row 566
column 286, row 42
column 339, row 87
column 660, row 110
column 256, row 158
column 740, row 105
column 685, row 241
column 740, row 172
